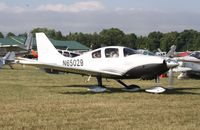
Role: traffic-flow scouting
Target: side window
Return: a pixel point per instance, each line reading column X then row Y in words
column 96, row 54
column 196, row 55
column 128, row 51
column 66, row 54
column 60, row 52
column 111, row 52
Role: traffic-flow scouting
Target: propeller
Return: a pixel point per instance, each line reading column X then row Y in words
column 170, row 78
column 171, row 64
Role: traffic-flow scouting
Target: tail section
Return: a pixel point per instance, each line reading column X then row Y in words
column 47, row 53
column 28, row 43
column 171, row 51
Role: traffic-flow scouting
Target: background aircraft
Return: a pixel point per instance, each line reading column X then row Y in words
column 113, row 62
column 19, row 49
column 9, row 52
column 189, row 65
column 8, row 59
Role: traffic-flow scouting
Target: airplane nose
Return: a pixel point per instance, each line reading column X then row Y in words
column 171, row 63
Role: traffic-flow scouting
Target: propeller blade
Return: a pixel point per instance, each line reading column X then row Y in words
column 170, row 78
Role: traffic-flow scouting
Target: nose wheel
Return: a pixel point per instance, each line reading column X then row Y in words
column 157, row 88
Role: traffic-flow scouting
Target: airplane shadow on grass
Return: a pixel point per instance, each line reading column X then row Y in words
column 174, row 91
column 177, row 91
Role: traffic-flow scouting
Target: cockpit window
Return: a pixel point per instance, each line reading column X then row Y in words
column 196, row 55
column 128, row 51
column 96, row 54
column 111, row 52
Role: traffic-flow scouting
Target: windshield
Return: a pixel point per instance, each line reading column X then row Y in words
column 129, row 51
column 195, row 54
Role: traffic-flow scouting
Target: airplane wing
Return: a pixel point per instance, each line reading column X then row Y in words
column 38, row 64
column 181, row 69
column 188, row 59
column 11, row 48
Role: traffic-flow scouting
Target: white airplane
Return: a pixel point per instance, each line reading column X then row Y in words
column 113, row 62
column 189, row 65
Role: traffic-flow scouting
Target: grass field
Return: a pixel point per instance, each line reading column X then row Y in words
column 32, row 99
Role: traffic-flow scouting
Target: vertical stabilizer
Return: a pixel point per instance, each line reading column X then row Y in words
column 29, row 42
column 47, row 53
column 171, row 51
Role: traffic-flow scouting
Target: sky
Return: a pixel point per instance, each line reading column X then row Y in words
column 88, row 16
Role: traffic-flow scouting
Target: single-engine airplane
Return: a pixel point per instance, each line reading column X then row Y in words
column 189, row 66
column 112, row 62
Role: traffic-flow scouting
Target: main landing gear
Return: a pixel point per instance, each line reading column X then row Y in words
column 101, row 88
column 130, row 88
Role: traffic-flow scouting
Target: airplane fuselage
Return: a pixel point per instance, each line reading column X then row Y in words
column 123, row 66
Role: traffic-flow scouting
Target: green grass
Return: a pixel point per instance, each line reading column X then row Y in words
column 32, row 99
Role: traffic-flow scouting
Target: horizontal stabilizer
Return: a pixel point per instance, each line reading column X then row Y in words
column 10, row 56
column 181, row 69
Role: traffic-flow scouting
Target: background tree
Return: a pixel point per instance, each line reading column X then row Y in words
column 95, row 41
column 51, row 33
column 131, row 40
column 10, row 34
column 168, row 40
column 23, row 34
column 153, row 41
column 142, row 42
column 185, row 40
column 112, row 37
column 196, row 42
column 1, row 35
column 58, row 36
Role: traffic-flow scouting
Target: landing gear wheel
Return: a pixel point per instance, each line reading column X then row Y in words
column 156, row 90
column 97, row 89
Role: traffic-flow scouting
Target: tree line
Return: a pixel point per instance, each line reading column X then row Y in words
column 185, row 40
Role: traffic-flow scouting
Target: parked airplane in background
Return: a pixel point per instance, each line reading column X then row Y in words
column 9, row 52
column 8, row 59
column 145, row 52
column 19, row 49
column 171, row 52
column 190, row 65
column 113, row 62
